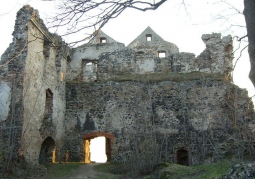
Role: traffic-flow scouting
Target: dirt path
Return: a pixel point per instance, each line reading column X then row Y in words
column 85, row 172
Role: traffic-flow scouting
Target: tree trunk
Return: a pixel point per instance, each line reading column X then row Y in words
column 249, row 13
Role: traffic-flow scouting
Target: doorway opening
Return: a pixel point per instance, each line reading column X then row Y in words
column 97, row 147
column 97, row 150
column 182, row 157
column 48, row 151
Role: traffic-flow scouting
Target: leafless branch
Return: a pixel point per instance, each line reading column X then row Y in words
column 92, row 15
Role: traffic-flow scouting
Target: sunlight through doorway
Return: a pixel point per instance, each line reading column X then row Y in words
column 97, row 150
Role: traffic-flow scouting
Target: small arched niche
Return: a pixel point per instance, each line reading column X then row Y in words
column 48, row 151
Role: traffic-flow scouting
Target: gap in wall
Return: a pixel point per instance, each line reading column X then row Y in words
column 98, row 150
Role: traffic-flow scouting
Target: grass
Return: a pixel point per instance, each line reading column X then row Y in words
column 59, row 171
column 175, row 171
column 205, row 171
column 167, row 76
column 158, row 77
column 108, row 170
column 215, row 170
column 163, row 171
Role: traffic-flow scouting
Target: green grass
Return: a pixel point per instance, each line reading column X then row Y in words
column 158, row 77
column 174, row 171
column 206, row 171
column 108, row 170
column 215, row 170
column 165, row 171
column 58, row 171
column 167, row 76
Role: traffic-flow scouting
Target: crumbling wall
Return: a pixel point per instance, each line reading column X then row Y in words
column 191, row 114
column 88, row 53
column 34, row 62
column 45, row 69
column 12, row 66
column 202, row 116
column 218, row 55
column 216, row 58
column 152, row 45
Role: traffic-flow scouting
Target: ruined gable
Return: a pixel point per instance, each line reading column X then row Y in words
column 150, row 42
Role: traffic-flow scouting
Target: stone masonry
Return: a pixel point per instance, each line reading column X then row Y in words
column 58, row 98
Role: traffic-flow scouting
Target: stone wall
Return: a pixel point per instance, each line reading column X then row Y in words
column 216, row 58
column 85, row 54
column 12, row 67
column 153, row 45
column 45, row 96
column 45, row 70
column 113, row 59
column 201, row 115
column 34, row 63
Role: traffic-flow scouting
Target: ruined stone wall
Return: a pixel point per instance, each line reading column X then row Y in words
column 45, row 72
column 44, row 96
column 34, row 63
column 85, row 54
column 12, row 66
column 202, row 115
column 216, row 58
column 153, row 45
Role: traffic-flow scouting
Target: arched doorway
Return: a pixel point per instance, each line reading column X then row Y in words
column 48, row 151
column 87, row 141
column 182, row 157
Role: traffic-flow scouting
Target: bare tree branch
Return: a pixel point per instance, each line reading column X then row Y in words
column 91, row 15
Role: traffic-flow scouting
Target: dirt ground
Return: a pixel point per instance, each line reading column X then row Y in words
column 85, row 172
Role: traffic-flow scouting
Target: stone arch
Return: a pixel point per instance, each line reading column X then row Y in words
column 48, row 151
column 182, row 156
column 109, row 141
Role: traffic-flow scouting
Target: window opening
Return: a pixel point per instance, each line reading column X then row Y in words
column 161, row 54
column 48, row 104
column 88, row 67
column 148, row 37
column 103, row 40
column 62, row 76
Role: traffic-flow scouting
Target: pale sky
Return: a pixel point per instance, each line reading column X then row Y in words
column 171, row 21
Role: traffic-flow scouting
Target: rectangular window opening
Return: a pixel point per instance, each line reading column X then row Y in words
column 148, row 37
column 161, row 54
column 103, row 40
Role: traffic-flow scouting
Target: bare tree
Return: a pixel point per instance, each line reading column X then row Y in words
column 88, row 16
column 249, row 13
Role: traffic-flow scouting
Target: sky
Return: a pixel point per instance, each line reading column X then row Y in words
column 174, row 22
